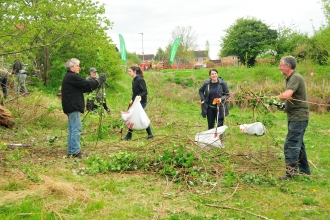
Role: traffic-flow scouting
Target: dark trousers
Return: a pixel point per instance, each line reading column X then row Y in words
column 294, row 148
column 212, row 118
column 91, row 105
column 3, row 82
column 148, row 128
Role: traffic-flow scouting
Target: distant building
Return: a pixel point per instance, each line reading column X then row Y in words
column 214, row 63
column 147, row 57
column 200, row 60
column 201, row 56
column 229, row 61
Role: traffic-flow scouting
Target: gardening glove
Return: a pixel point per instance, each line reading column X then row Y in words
column 216, row 101
column 102, row 78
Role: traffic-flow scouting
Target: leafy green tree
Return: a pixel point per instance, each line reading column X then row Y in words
column 160, row 54
column 287, row 41
column 133, row 58
column 207, row 48
column 51, row 32
column 318, row 48
column 326, row 9
column 246, row 39
column 321, row 38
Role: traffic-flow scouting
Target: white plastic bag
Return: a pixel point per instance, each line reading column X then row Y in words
column 136, row 118
column 206, row 139
column 256, row 128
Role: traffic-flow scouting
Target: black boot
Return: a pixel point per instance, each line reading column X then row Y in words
column 128, row 136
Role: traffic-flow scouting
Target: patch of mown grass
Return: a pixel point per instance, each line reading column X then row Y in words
column 28, row 208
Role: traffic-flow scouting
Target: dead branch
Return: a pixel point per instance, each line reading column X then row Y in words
column 236, row 209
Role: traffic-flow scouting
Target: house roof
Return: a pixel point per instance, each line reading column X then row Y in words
column 215, row 61
column 147, row 56
column 200, row 53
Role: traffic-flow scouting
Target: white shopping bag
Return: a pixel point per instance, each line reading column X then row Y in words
column 207, row 138
column 256, row 128
column 136, row 118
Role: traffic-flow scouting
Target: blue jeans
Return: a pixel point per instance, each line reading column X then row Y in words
column 148, row 128
column 294, row 148
column 20, row 82
column 75, row 128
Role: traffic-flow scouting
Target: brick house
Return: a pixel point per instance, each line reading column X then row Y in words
column 200, row 57
column 229, row 61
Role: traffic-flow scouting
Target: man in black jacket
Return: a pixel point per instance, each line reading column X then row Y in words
column 73, row 103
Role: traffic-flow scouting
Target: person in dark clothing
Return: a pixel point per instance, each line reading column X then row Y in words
column 99, row 96
column 298, row 115
column 20, row 75
column 17, row 65
column 73, row 103
column 139, row 88
column 3, row 82
column 214, row 92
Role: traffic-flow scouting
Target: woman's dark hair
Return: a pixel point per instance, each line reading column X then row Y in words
column 212, row 70
column 137, row 70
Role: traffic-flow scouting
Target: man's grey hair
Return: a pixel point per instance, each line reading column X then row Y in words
column 290, row 60
column 70, row 63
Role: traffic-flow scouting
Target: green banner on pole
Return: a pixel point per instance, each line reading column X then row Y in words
column 122, row 48
column 174, row 49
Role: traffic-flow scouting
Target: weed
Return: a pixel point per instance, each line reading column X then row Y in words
column 13, row 186
column 310, row 201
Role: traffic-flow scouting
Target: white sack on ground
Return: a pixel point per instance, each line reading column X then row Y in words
column 256, row 128
column 206, row 138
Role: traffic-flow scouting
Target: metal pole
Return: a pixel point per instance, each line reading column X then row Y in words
column 142, row 48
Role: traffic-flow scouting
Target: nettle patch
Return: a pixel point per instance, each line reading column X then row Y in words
column 180, row 165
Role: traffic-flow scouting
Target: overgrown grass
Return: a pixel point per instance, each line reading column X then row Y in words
column 169, row 177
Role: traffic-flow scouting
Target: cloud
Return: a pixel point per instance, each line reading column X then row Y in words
column 157, row 19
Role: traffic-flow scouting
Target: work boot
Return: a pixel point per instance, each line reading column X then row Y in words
column 128, row 137
column 78, row 155
column 150, row 137
column 291, row 171
column 286, row 177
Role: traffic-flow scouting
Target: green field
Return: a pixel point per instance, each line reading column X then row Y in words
column 169, row 177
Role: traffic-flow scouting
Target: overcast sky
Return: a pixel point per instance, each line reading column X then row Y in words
column 208, row 18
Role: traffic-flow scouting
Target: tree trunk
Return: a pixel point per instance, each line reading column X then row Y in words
column 46, row 64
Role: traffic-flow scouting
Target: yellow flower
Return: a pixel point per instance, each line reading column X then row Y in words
column 314, row 190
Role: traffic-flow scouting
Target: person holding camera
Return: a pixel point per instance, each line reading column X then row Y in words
column 99, row 96
column 73, row 102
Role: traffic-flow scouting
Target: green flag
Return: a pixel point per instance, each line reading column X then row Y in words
column 122, row 48
column 174, row 48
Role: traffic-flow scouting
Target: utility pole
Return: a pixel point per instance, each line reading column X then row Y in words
column 142, row 48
